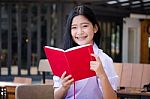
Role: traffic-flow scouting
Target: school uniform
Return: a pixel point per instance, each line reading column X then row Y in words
column 90, row 88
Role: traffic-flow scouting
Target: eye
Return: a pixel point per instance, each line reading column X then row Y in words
column 85, row 25
column 73, row 27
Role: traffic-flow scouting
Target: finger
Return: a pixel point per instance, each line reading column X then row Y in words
column 68, row 77
column 96, row 57
column 92, row 65
column 63, row 75
column 70, row 81
column 92, row 62
column 67, row 80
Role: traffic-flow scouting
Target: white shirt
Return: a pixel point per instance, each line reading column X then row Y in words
column 90, row 88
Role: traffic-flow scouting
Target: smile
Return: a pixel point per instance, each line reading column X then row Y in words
column 81, row 38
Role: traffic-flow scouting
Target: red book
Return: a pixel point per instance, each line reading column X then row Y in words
column 75, row 61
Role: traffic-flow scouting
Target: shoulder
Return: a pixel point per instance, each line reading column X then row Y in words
column 101, row 54
column 105, row 56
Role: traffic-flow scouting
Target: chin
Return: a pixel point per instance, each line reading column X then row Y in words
column 82, row 43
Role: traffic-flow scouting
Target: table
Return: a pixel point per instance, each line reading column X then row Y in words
column 7, row 90
column 133, row 93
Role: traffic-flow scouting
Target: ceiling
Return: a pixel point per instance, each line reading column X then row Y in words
column 119, row 7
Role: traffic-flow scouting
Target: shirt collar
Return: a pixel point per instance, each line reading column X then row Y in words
column 95, row 48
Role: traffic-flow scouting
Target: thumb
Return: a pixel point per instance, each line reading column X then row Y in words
column 96, row 57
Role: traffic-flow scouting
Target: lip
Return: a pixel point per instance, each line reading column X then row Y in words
column 81, row 38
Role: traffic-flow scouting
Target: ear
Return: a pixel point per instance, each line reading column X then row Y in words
column 95, row 28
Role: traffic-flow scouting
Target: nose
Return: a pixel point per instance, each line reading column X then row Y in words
column 79, row 31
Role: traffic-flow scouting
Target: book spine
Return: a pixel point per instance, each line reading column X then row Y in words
column 90, row 49
column 68, row 65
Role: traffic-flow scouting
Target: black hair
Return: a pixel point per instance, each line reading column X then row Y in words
column 86, row 12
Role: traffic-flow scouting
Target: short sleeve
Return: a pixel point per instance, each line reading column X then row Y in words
column 57, row 82
column 109, row 69
column 111, row 73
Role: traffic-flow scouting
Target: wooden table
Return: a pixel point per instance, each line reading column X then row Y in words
column 8, row 90
column 133, row 93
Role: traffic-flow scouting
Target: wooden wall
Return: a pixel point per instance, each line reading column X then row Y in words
column 144, row 42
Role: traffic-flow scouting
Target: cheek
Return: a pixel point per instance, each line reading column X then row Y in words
column 90, row 32
column 72, row 33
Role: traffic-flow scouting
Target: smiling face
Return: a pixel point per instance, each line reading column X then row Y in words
column 82, row 30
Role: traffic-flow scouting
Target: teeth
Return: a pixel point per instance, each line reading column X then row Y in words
column 81, row 38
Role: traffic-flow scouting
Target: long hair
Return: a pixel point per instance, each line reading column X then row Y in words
column 86, row 12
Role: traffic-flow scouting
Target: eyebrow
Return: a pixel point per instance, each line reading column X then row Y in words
column 81, row 23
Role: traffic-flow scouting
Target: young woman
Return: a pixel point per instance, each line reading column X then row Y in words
column 83, row 28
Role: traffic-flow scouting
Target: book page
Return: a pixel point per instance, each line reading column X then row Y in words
column 79, row 62
column 57, row 60
column 75, row 61
column 77, row 47
column 54, row 48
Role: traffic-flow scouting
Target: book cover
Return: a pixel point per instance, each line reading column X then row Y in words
column 75, row 61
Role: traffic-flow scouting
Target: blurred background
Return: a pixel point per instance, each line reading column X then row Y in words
column 28, row 25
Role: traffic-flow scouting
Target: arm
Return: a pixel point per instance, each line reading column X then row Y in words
column 60, row 92
column 108, row 92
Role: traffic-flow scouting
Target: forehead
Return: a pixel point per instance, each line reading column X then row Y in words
column 80, row 19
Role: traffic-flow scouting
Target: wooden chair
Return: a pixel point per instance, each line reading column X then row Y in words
column 126, row 76
column 44, row 67
column 133, row 74
column 23, row 80
column 43, row 91
column 145, row 75
column 11, row 90
column 137, row 72
column 48, row 82
column 118, row 68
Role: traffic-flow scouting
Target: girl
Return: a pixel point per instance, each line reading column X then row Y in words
column 83, row 28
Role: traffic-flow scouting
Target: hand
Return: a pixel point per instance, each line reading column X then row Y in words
column 66, row 81
column 97, row 66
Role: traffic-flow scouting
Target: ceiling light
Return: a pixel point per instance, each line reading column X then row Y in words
column 123, row 0
column 135, row 6
column 111, row 2
column 135, row 2
column 145, row 0
column 146, row 4
column 125, row 4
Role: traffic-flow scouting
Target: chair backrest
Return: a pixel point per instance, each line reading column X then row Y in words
column 48, row 81
column 133, row 74
column 41, row 91
column 23, row 80
column 118, row 69
column 146, row 74
column 137, row 72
